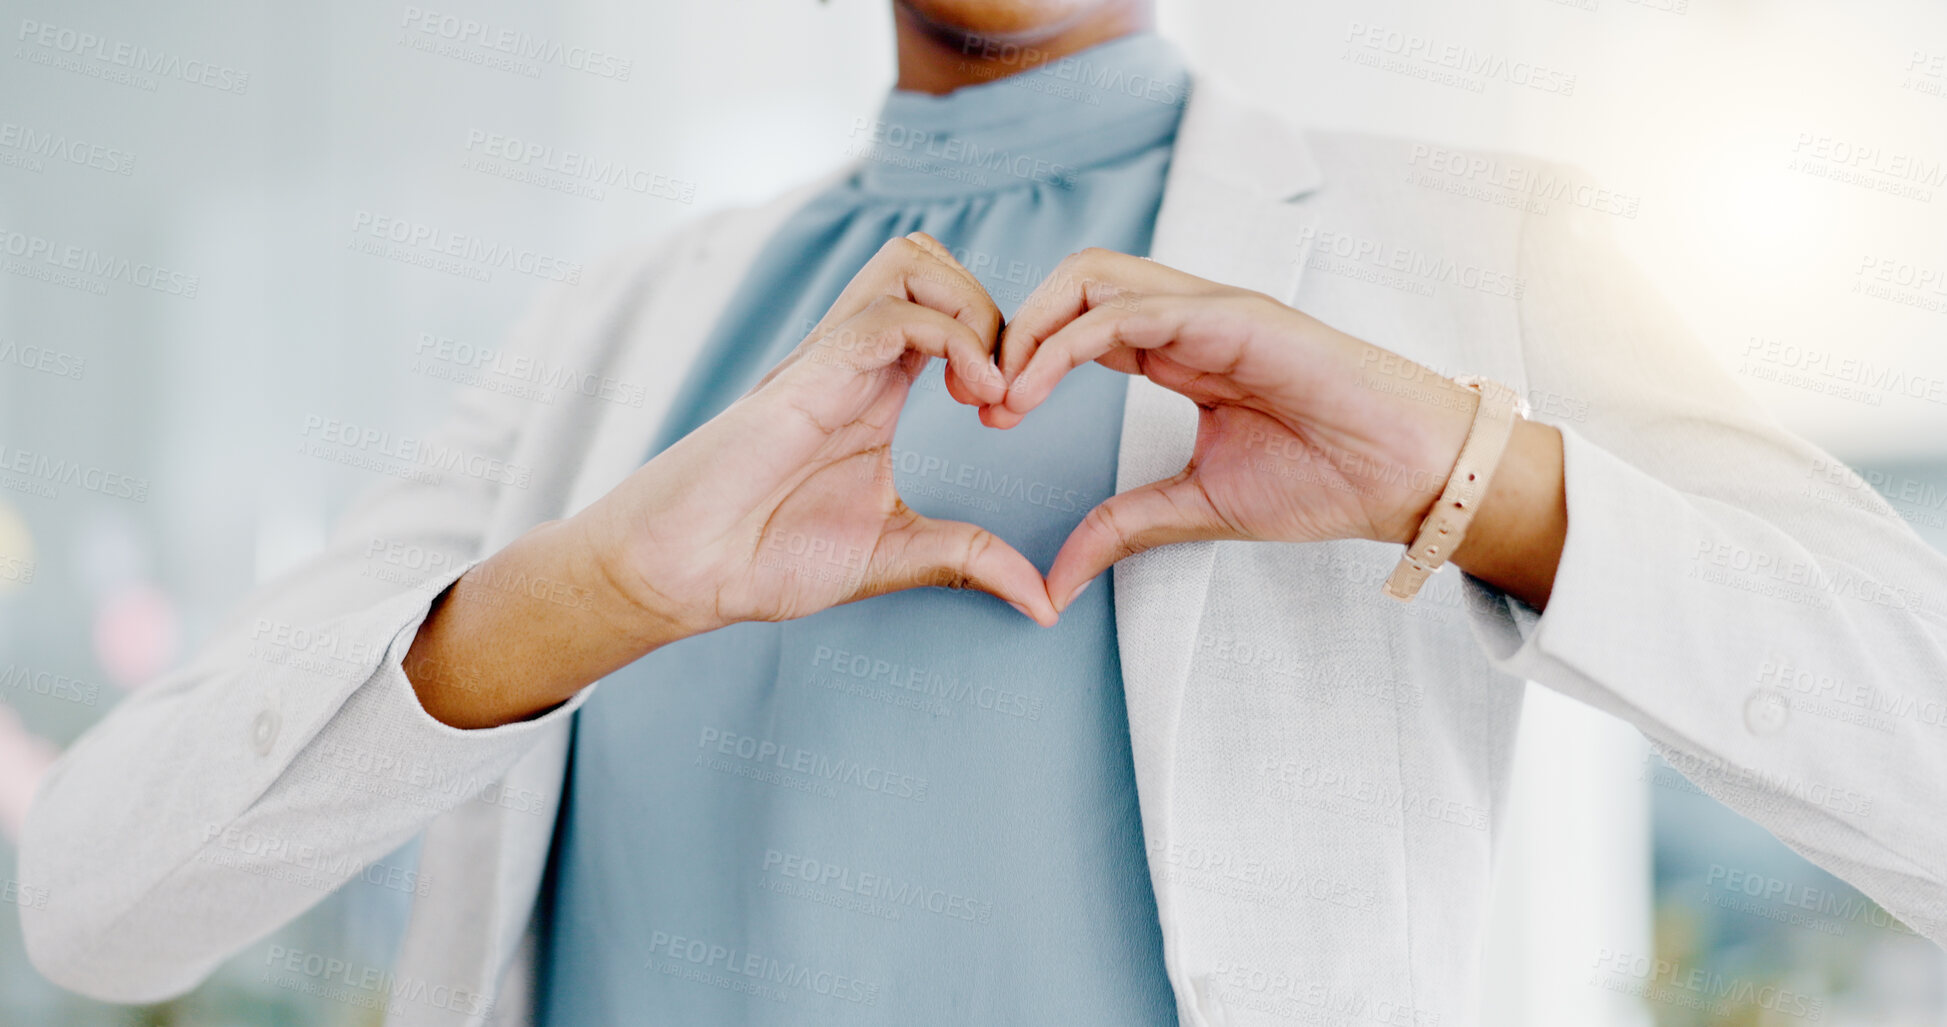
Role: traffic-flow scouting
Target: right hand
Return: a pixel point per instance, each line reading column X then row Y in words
column 783, row 505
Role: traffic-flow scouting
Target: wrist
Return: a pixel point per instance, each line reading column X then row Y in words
column 1436, row 427
column 1516, row 540
column 1502, row 511
column 629, row 608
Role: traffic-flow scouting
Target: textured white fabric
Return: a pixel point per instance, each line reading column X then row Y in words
column 1320, row 768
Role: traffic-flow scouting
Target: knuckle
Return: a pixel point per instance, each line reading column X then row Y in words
column 902, row 249
column 1102, row 521
column 1074, row 261
column 1260, row 300
column 883, row 308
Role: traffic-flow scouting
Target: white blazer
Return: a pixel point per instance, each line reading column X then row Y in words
column 1320, row 769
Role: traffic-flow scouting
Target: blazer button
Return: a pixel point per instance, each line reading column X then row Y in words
column 263, row 731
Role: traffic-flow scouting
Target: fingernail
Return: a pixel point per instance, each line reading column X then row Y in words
column 1077, row 594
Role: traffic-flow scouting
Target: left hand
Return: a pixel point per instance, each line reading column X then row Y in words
column 1304, row 434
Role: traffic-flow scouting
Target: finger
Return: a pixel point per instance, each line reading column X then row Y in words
column 889, row 328
column 1084, row 281
column 935, row 247
column 923, row 272
column 999, row 417
column 1127, row 523
column 937, row 279
column 984, row 318
column 1093, row 336
column 953, row 554
column 918, row 268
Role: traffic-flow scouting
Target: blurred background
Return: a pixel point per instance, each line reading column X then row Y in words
column 1779, row 168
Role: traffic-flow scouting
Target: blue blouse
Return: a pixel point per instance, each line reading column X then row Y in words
column 919, row 808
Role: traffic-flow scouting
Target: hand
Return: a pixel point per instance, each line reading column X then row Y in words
column 784, row 505
column 1304, row 433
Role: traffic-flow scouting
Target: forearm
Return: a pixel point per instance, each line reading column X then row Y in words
column 526, row 629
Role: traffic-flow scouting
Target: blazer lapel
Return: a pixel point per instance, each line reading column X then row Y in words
column 1224, row 217
column 510, row 848
column 670, row 334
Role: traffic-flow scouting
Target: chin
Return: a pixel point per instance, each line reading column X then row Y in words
column 1020, row 21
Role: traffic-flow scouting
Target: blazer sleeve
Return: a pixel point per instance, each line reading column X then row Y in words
column 1742, row 597
column 219, row 802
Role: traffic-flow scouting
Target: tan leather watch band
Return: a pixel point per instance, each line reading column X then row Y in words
column 1473, row 469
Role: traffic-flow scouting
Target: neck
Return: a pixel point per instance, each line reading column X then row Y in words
column 936, row 58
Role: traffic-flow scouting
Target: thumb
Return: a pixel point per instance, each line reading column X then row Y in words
column 1158, row 514
column 924, row 552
